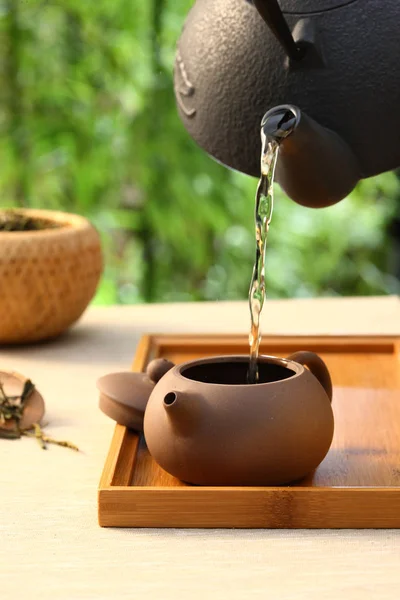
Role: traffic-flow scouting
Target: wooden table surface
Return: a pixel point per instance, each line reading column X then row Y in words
column 50, row 544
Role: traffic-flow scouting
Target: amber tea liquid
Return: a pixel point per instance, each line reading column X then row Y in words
column 274, row 127
column 263, row 215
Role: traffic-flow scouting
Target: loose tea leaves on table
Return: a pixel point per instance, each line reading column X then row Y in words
column 11, row 410
column 12, row 413
column 45, row 439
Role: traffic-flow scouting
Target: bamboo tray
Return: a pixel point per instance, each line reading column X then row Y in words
column 356, row 486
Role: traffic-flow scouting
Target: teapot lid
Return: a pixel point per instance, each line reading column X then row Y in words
column 304, row 7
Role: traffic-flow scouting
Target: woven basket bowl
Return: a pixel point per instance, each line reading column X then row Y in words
column 47, row 277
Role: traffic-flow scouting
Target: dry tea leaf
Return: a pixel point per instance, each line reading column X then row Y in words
column 21, row 404
column 21, row 410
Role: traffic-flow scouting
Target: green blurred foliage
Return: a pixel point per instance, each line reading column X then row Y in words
column 88, row 124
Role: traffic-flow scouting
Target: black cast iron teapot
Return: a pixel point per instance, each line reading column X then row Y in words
column 333, row 64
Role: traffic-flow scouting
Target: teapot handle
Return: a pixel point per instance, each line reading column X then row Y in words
column 317, row 367
column 272, row 14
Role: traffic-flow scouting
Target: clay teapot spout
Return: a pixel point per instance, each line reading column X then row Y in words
column 173, row 403
column 182, row 411
column 316, row 167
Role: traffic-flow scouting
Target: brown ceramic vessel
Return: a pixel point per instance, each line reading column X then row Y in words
column 205, row 425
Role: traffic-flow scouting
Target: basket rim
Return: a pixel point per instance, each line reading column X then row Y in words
column 68, row 222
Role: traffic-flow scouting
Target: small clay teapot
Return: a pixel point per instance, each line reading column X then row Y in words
column 205, row 425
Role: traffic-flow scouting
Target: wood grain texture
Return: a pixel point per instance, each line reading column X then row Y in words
column 272, row 508
column 357, row 485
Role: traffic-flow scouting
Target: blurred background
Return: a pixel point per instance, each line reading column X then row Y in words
column 88, row 125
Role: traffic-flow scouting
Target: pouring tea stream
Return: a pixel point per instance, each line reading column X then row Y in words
column 275, row 127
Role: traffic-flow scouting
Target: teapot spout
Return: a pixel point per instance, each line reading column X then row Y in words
column 316, row 167
column 171, row 402
column 182, row 411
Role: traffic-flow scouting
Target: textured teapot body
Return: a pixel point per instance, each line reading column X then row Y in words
column 221, row 434
column 230, row 70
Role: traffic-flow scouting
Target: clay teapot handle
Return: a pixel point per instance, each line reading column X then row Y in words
column 317, row 367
